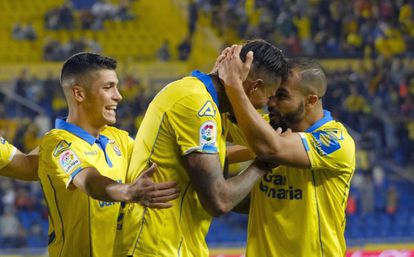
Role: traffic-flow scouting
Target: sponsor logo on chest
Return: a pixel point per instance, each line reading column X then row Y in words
column 275, row 186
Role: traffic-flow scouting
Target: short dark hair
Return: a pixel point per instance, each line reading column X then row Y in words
column 312, row 75
column 266, row 56
column 82, row 63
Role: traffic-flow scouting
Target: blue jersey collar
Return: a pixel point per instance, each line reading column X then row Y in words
column 78, row 131
column 326, row 118
column 101, row 141
column 208, row 83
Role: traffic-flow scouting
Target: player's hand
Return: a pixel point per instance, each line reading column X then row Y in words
column 154, row 195
column 219, row 59
column 232, row 70
column 264, row 166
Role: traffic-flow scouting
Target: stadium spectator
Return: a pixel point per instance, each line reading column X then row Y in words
column 326, row 28
column 23, row 32
column 392, row 200
column 163, row 52
column 351, row 206
column 17, row 32
column 10, row 230
column 66, row 18
column 52, row 19
column 184, row 49
column 192, row 17
column 123, row 11
column 86, row 19
column 30, row 32
column 368, row 193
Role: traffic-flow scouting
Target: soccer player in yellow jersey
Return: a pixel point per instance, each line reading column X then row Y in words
column 15, row 164
column 297, row 209
column 183, row 133
column 83, row 164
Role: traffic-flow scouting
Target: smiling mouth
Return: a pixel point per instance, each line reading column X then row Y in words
column 111, row 108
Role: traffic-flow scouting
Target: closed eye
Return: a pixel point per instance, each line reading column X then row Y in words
column 281, row 95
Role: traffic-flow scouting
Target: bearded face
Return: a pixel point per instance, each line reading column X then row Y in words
column 285, row 121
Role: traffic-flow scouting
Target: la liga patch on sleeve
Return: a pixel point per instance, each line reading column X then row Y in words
column 68, row 160
column 208, row 135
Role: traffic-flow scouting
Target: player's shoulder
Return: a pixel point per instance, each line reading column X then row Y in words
column 187, row 86
column 55, row 136
column 337, row 130
column 114, row 133
column 334, row 137
column 189, row 81
column 56, row 141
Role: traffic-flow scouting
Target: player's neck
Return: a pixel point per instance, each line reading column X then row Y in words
column 225, row 105
column 310, row 118
column 83, row 123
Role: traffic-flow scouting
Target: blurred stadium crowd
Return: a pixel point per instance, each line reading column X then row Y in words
column 375, row 101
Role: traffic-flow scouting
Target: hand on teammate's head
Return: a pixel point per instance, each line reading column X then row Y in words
column 219, row 59
column 232, row 70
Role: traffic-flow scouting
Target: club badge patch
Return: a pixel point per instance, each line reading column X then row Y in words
column 62, row 146
column 115, row 147
column 68, row 161
column 208, row 134
column 327, row 142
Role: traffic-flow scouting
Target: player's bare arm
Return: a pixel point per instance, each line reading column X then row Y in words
column 22, row 166
column 143, row 190
column 266, row 143
column 217, row 194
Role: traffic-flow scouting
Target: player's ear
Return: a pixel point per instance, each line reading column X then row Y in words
column 78, row 93
column 254, row 85
column 311, row 100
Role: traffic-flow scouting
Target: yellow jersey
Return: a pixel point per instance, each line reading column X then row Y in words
column 301, row 212
column 182, row 118
column 79, row 224
column 7, row 152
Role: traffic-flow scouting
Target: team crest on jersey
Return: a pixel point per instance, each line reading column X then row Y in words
column 68, row 160
column 327, row 141
column 115, row 147
column 62, row 146
column 207, row 110
column 208, row 134
column 2, row 140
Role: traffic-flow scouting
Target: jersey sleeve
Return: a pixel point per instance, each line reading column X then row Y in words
column 7, row 152
column 63, row 159
column 196, row 123
column 329, row 149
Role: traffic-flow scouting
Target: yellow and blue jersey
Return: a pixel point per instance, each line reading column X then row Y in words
column 183, row 118
column 79, row 224
column 301, row 212
column 7, row 152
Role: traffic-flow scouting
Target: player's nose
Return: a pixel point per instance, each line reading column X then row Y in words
column 117, row 96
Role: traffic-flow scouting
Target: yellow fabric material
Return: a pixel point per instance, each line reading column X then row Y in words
column 81, row 225
column 301, row 212
column 7, row 151
column 174, row 126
